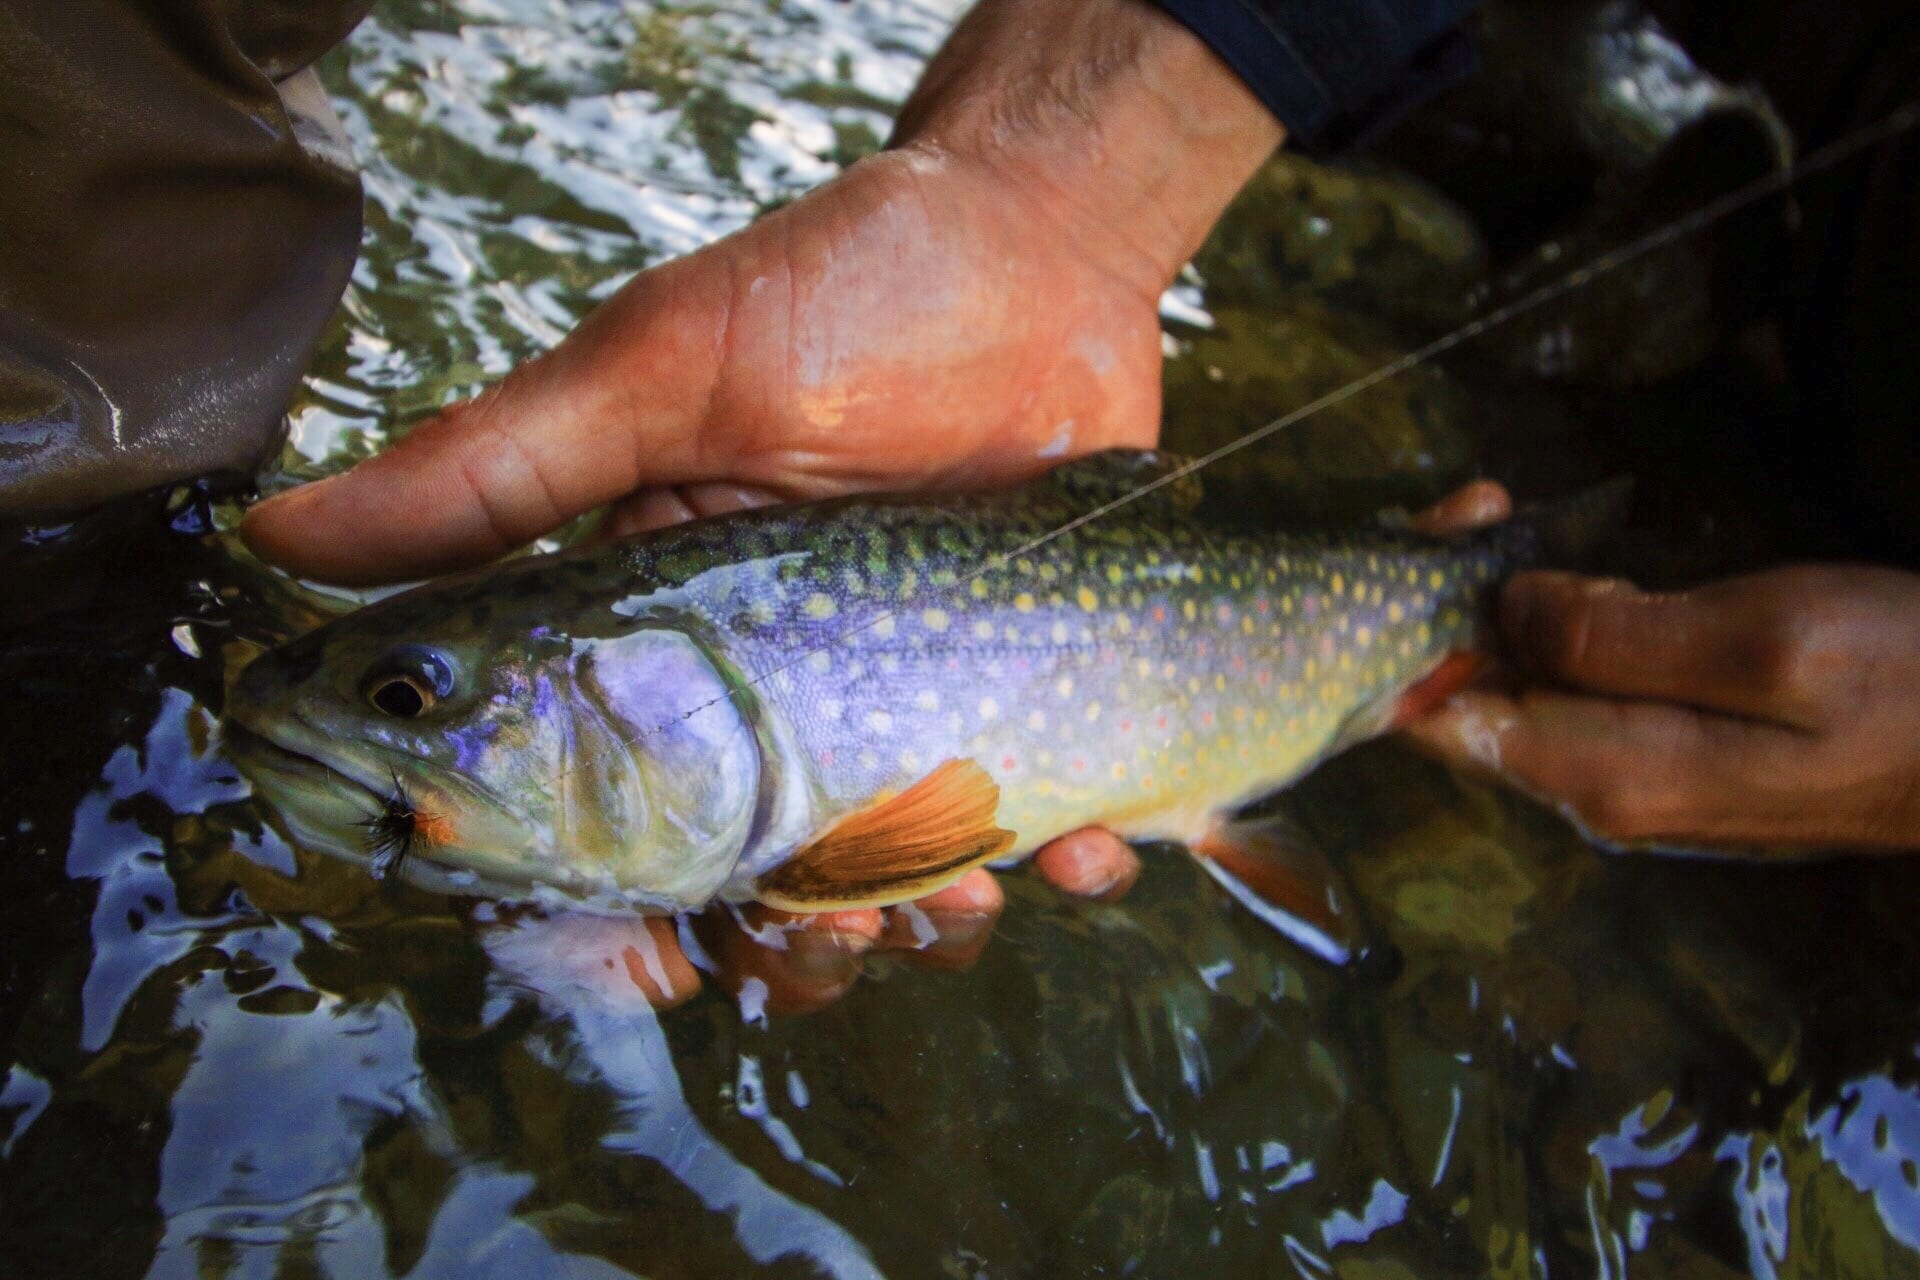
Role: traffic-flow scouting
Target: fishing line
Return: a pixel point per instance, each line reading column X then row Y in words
column 1714, row 211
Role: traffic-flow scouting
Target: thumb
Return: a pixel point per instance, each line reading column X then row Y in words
column 620, row 403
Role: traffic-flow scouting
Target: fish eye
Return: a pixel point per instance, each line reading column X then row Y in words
column 408, row 682
column 400, row 696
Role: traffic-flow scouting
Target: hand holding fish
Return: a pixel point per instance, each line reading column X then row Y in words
column 1774, row 710
column 964, row 310
column 880, row 333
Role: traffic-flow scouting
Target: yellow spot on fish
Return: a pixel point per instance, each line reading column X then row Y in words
column 1395, row 612
column 1338, row 585
column 1024, row 602
column 884, row 628
column 979, row 588
column 1123, row 624
column 879, row 722
column 983, row 631
column 820, row 605
column 1059, row 633
column 1116, row 575
column 1064, row 686
column 1220, row 682
column 820, row 662
column 1143, row 668
column 1187, row 610
column 1436, row 580
column 910, row 761
column 927, row 700
column 935, row 619
column 1087, row 599
column 989, row 709
column 1363, row 637
column 1093, row 711
column 1119, row 770
column 909, row 583
column 1246, row 626
column 1036, row 721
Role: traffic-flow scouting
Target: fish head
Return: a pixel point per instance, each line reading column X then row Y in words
column 465, row 741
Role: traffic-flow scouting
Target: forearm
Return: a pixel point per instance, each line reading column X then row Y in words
column 1124, row 127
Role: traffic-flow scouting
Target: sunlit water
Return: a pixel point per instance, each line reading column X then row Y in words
column 225, row 1057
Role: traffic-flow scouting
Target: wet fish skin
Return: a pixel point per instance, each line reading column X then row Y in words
column 671, row 718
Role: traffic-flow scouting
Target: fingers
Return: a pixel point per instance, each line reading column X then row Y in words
column 1732, row 647
column 1089, row 863
column 661, row 507
column 1626, row 771
column 621, row 959
column 1473, row 505
column 789, row 963
column 786, row 963
column 488, row 476
column 948, row 929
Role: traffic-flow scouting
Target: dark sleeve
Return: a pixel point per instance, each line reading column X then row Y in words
column 1335, row 71
column 176, row 228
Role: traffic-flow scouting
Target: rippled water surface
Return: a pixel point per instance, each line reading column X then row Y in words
column 226, row 1057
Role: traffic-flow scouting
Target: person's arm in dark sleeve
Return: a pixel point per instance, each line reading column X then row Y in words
column 175, row 232
column 1334, row 72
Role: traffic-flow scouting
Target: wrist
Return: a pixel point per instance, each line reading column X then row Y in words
column 1127, row 132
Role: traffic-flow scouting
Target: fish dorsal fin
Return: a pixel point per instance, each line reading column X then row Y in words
column 1112, row 474
column 897, row 849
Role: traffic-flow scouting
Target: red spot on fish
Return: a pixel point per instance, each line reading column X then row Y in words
column 1263, row 607
column 1009, row 764
column 826, row 757
column 1263, row 677
column 1159, row 613
column 1239, row 664
column 1455, row 672
column 1160, row 722
column 1206, row 719
column 1126, row 726
column 1079, row 764
column 1326, row 644
column 1224, row 613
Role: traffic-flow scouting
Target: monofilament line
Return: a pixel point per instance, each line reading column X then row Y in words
column 1714, row 211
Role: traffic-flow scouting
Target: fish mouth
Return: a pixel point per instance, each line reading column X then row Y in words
column 330, row 805
column 282, row 759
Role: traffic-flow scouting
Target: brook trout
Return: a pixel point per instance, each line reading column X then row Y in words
column 853, row 702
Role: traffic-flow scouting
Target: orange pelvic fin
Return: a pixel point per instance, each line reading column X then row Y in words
column 905, row 847
column 1275, row 869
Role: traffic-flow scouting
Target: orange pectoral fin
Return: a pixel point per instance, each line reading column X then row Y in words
column 1456, row 671
column 921, row 840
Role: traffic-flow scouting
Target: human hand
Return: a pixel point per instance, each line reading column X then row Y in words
column 1779, row 710
column 963, row 310
column 784, row 963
